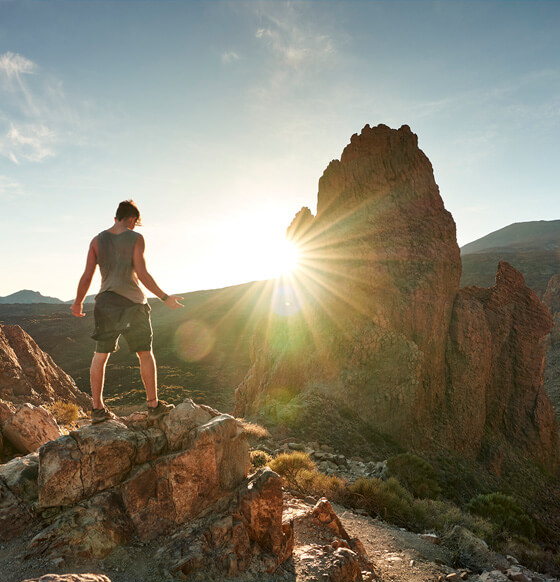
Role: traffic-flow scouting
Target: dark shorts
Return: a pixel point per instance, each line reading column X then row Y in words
column 116, row 315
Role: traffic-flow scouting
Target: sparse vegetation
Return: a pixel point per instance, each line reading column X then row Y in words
column 504, row 511
column 260, row 458
column 496, row 518
column 291, row 466
column 65, row 413
column 416, row 474
column 253, row 430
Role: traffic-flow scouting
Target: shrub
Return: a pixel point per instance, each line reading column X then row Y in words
column 320, row 485
column 260, row 458
column 416, row 474
column 64, row 412
column 505, row 511
column 253, row 430
column 290, row 466
column 388, row 499
column 442, row 516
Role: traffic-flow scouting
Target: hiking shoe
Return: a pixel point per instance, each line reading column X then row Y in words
column 160, row 410
column 100, row 415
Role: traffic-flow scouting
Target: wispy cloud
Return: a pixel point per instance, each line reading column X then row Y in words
column 229, row 57
column 31, row 142
column 34, row 113
column 292, row 43
column 299, row 51
column 9, row 188
column 14, row 65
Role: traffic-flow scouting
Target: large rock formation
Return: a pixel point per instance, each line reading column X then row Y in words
column 495, row 371
column 374, row 316
column 186, row 476
column 29, row 375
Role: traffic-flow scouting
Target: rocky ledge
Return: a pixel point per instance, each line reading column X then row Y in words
column 181, row 482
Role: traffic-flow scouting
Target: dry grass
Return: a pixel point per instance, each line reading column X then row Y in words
column 253, row 430
column 65, row 413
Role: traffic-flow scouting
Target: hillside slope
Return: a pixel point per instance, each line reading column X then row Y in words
column 27, row 296
column 202, row 350
column 531, row 247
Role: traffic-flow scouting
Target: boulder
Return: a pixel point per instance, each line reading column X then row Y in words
column 20, row 475
column 15, row 515
column 246, row 535
column 7, row 409
column 181, row 420
column 90, row 530
column 177, row 487
column 30, row 427
column 328, row 552
column 259, row 508
column 92, row 459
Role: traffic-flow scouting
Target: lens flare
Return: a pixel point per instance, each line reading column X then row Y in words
column 285, row 301
column 194, row 340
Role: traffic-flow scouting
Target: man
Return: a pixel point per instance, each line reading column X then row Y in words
column 121, row 307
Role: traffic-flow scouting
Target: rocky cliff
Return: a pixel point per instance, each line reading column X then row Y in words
column 375, row 318
column 28, row 374
column 495, row 398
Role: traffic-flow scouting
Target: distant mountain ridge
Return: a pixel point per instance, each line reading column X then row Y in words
column 27, row 296
column 531, row 247
column 541, row 234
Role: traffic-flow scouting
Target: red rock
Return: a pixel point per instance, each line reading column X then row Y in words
column 15, row 515
column 176, row 488
column 89, row 530
column 377, row 320
column 30, row 427
column 28, row 374
column 496, row 368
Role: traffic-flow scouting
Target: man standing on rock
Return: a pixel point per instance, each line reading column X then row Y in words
column 121, row 307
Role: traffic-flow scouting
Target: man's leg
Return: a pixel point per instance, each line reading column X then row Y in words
column 97, row 378
column 148, row 372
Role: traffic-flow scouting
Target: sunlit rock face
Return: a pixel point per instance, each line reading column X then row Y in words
column 28, row 374
column 375, row 318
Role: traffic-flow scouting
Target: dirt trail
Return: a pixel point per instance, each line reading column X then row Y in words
column 398, row 555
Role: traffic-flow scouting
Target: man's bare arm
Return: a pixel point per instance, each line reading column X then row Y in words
column 85, row 280
column 147, row 280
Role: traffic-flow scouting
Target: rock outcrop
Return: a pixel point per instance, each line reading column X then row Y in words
column 495, row 358
column 30, row 427
column 116, row 483
column 552, row 371
column 374, row 316
column 29, row 375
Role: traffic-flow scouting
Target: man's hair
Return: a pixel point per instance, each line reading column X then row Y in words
column 128, row 209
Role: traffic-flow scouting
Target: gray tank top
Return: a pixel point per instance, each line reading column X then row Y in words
column 114, row 257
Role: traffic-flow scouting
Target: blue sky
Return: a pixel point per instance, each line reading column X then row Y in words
column 219, row 118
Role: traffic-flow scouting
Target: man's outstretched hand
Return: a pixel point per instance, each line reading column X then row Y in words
column 172, row 302
column 78, row 309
